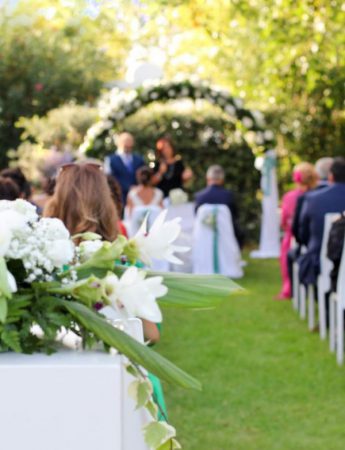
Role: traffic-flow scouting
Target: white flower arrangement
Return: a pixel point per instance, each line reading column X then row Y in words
column 247, row 122
column 47, row 281
column 178, row 197
column 117, row 104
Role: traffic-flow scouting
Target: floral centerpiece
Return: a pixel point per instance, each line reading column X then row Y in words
column 47, row 280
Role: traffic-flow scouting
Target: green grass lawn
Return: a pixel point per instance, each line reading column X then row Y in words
column 267, row 382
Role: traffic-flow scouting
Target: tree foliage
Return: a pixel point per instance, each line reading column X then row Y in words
column 281, row 56
column 51, row 54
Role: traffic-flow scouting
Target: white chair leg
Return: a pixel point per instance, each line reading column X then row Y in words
column 295, row 283
column 311, row 308
column 332, row 322
column 302, row 302
column 340, row 333
column 321, row 301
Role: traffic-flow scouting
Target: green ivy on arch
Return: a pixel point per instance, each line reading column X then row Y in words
column 117, row 105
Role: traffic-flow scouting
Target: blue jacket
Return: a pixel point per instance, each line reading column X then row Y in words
column 316, row 206
column 126, row 177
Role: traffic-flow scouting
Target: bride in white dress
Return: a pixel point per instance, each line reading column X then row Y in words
column 144, row 194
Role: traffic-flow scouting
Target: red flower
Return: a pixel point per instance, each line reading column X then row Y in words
column 39, row 87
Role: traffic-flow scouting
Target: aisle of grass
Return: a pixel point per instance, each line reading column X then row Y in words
column 268, row 383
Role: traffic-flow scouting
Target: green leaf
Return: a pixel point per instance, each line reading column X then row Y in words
column 4, row 286
column 152, row 408
column 89, row 290
column 125, row 344
column 157, row 434
column 3, row 309
column 105, row 257
column 12, row 340
column 141, row 391
column 196, row 291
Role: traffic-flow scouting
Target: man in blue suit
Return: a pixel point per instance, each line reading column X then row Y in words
column 123, row 164
column 316, row 205
column 216, row 194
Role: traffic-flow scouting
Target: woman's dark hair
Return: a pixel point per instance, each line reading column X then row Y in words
column 116, row 193
column 19, row 178
column 8, row 189
column 165, row 139
column 338, row 169
column 144, row 176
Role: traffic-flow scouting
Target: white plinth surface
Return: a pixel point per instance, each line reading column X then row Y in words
column 67, row 401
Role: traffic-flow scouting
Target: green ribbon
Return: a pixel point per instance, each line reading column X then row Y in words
column 215, row 241
column 270, row 163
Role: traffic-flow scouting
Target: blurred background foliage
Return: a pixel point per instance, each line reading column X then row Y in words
column 282, row 57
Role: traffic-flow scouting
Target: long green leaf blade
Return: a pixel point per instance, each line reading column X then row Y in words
column 196, row 291
column 131, row 348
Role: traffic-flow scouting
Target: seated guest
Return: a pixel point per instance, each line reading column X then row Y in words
column 305, row 178
column 335, row 248
column 322, row 167
column 123, row 164
column 316, row 206
column 215, row 193
column 144, row 193
column 17, row 176
column 83, row 201
column 8, row 189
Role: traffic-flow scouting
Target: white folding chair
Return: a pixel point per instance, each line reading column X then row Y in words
column 215, row 247
column 323, row 281
column 186, row 212
column 337, row 308
column 301, row 292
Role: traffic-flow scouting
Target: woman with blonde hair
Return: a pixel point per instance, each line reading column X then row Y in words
column 83, row 201
column 305, row 179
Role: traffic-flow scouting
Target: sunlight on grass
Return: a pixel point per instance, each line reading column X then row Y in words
column 268, row 382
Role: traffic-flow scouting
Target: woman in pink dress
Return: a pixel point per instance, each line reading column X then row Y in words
column 305, row 178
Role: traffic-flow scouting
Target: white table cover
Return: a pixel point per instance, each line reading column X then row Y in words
column 72, row 400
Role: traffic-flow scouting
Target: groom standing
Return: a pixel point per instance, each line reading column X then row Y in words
column 123, row 164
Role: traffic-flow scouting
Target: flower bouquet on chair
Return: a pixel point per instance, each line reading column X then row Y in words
column 47, row 280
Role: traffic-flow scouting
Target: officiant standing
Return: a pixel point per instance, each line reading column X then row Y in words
column 123, row 164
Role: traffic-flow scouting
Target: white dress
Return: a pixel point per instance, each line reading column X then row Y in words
column 137, row 201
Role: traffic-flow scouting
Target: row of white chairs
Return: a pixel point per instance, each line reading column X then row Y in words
column 209, row 233
column 304, row 297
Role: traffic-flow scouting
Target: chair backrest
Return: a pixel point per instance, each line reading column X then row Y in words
column 138, row 215
column 325, row 264
column 186, row 212
column 215, row 247
column 341, row 278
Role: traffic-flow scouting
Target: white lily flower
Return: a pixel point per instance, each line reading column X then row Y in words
column 11, row 282
column 5, row 238
column 88, row 248
column 136, row 294
column 158, row 243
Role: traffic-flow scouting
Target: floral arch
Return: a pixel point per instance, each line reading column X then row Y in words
column 118, row 104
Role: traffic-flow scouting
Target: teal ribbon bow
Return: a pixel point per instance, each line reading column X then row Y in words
column 215, row 241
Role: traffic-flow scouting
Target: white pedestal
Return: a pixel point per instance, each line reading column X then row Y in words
column 67, row 401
